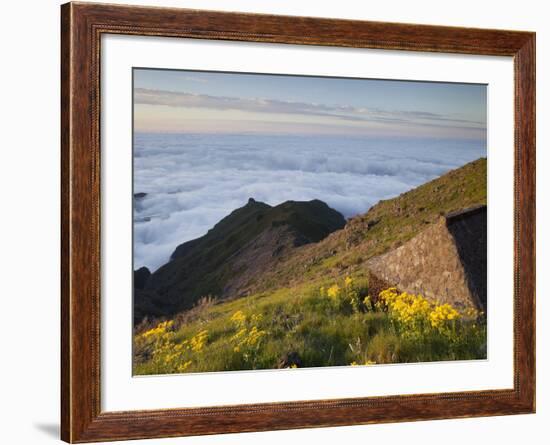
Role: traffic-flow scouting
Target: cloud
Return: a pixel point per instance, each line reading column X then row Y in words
column 339, row 112
column 192, row 181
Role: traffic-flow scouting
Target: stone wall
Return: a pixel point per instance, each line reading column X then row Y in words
column 446, row 262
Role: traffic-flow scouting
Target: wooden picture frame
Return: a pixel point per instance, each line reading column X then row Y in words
column 82, row 25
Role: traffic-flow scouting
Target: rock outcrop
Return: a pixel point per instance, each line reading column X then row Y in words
column 140, row 277
column 447, row 262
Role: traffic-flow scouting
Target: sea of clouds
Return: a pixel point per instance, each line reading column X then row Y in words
column 192, row 181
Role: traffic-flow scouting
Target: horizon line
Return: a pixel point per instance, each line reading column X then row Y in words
column 303, row 134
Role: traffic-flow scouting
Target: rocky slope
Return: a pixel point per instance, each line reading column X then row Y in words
column 447, row 262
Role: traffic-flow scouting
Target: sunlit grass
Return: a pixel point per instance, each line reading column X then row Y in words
column 327, row 324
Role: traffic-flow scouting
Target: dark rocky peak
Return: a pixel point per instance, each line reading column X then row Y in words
column 141, row 276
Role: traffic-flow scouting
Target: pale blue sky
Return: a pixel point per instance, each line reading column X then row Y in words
column 205, row 102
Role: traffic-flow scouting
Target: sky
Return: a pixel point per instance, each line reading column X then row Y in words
column 179, row 101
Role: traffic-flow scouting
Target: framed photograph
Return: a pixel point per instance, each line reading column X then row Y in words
column 275, row 222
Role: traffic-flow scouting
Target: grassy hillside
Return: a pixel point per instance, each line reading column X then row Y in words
column 386, row 225
column 301, row 327
column 312, row 307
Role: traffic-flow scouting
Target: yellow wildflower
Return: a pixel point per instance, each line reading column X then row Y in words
column 441, row 314
column 333, row 291
column 387, row 297
column 184, row 366
column 256, row 318
column 254, row 336
column 239, row 318
column 159, row 330
column 199, row 341
column 415, row 313
column 239, row 335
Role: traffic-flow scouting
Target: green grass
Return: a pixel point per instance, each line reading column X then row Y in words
column 310, row 326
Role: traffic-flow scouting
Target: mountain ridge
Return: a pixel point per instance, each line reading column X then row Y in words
column 385, row 226
column 240, row 246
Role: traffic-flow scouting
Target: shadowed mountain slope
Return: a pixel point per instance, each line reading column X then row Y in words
column 239, row 248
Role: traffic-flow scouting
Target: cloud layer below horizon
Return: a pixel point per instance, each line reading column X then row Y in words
column 192, row 181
